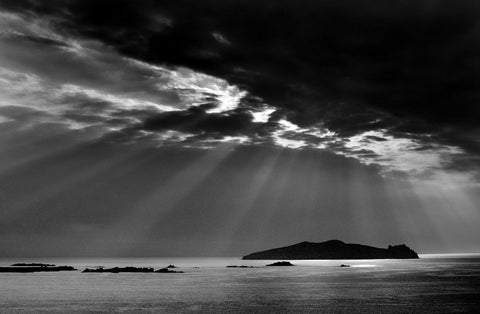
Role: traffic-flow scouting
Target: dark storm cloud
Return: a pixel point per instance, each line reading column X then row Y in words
column 315, row 60
column 403, row 70
column 83, row 83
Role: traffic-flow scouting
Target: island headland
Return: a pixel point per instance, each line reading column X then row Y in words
column 333, row 249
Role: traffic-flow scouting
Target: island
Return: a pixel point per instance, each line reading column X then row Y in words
column 129, row 269
column 33, row 264
column 280, row 264
column 117, row 270
column 167, row 270
column 34, row 267
column 334, row 249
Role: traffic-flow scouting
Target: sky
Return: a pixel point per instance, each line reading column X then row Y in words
column 219, row 128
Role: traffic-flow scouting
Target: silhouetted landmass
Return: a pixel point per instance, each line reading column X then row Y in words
column 33, row 269
column 240, row 266
column 33, row 264
column 129, row 269
column 344, row 265
column 281, row 264
column 334, row 249
column 171, row 266
column 166, row 270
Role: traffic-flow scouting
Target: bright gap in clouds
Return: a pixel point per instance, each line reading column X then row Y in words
column 401, row 154
column 262, row 115
column 197, row 89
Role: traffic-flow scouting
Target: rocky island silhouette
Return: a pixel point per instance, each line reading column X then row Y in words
column 34, row 267
column 130, row 269
column 282, row 263
column 333, row 249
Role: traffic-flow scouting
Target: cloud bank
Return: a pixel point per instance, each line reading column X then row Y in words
column 391, row 85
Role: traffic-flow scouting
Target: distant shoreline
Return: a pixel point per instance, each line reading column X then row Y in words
column 8, row 260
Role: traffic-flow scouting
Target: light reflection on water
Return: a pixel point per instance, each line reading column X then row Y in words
column 439, row 283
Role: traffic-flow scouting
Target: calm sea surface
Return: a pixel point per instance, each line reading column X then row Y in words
column 435, row 283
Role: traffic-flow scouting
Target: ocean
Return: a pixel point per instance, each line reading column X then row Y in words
column 433, row 284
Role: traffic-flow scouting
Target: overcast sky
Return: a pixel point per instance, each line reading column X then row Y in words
column 211, row 128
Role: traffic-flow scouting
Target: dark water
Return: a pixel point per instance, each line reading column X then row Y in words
column 433, row 284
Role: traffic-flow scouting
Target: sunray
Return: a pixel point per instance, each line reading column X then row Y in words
column 75, row 174
column 144, row 215
column 253, row 184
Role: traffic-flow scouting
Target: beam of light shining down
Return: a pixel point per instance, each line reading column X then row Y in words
column 144, row 215
column 103, row 151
